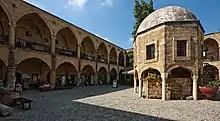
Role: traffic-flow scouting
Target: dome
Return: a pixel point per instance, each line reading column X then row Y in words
column 167, row 14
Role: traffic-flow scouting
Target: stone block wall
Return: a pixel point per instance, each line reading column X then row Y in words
column 155, row 90
column 179, row 87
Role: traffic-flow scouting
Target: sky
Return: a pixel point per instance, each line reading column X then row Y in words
column 113, row 19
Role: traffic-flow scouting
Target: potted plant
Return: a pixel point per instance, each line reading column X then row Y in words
column 208, row 87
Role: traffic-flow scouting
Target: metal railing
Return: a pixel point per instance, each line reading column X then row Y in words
column 28, row 45
column 66, row 52
column 113, row 62
column 87, row 56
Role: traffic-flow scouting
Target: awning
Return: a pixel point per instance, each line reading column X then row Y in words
column 128, row 72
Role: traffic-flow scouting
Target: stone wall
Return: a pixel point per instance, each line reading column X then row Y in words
column 155, row 90
column 179, row 87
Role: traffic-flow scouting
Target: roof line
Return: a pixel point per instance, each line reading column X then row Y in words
column 70, row 23
column 211, row 33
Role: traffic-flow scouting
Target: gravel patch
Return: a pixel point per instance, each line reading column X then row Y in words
column 103, row 103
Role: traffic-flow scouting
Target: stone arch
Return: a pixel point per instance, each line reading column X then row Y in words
column 179, row 82
column 22, row 58
column 102, row 75
column 88, row 74
column 69, row 72
column 210, row 72
column 5, row 21
column 34, row 12
column 32, row 27
column 146, row 67
column 171, row 67
column 102, row 53
column 113, row 56
column 87, row 48
column 211, row 49
column 66, row 42
column 39, row 73
column 153, row 87
column 113, row 75
column 6, row 12
column 121, row 58
column 3, row 71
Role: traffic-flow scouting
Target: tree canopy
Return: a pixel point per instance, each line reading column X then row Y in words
column 141, row 11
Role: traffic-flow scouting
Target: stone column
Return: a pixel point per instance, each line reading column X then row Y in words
column 108, row 77
column 195, row 87
column 11, row 59
column 164, row 77
column 140, row 88
column 96, row 68
column 135, row 85
column 125, row 57
column 53, row 62
column 79, row 66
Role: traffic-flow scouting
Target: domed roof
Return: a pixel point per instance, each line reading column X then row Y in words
column 167, row 14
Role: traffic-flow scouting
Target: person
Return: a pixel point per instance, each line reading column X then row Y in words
column 62, row 80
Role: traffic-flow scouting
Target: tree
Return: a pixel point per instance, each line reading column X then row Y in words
column 141, row 11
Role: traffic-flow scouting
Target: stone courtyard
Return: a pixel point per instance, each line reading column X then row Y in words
column 104, row 103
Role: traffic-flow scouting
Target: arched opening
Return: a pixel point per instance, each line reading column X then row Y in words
column 121, row 59
column 211, row 50
column 113, row 75
column 87, row 75
column 210, row 73
column 66, row 42
column 33, row 73
column 102, row 53
column 102, row 75
column 4, row 27
column 179, row 83
column 152, row 83
column 3, row 71
column 122, row 80
column 87, row 49
column 66, row 75
column 32, row 33
column 113, row 56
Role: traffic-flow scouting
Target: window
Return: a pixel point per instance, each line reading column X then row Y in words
column 150, row 51
column 181, row 47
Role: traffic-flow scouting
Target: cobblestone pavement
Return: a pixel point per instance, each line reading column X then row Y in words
column 103, row 103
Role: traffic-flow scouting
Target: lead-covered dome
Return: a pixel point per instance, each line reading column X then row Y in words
column 167, row 14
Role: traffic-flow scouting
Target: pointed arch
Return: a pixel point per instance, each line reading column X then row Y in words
column 33, row 12
column 102, row 53
column 7, row 13
column 113, row 56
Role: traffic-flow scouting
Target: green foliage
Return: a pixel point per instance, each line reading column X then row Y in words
column 141, row 11
column 151, row 77
column 209, row 83
column 130, row 59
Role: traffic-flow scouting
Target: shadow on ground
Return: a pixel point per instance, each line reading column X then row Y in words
column 60, row 106
column 77, row 111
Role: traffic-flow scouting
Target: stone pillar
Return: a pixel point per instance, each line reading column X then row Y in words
column 96, row 67
column 125, row 57
column 164, row 77
column 96, row 78
column 53, row 62
column 135, row 85
column 11, row 59
column 117, row 78
column 140, row 88
column 195, row 87
column 79, row 66
column 78, row 82
column 108, row 77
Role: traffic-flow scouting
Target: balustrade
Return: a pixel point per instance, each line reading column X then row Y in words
column 28, row 45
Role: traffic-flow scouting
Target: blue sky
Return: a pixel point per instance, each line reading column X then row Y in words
column 113, row 19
